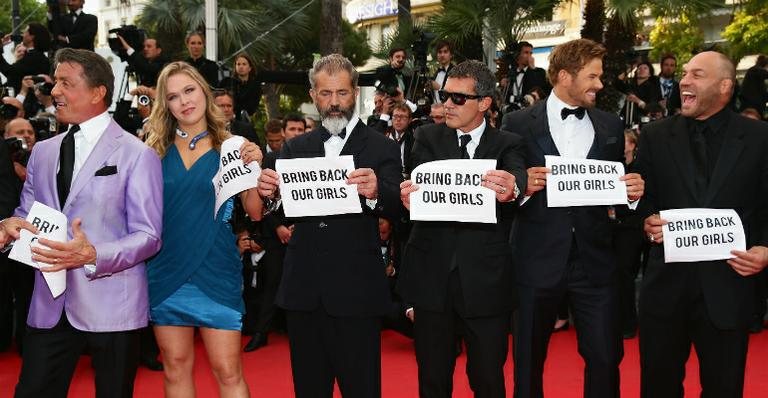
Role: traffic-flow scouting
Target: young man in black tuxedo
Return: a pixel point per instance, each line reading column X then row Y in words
column 75, row 29
column 706, row 157
column 334, row 288
column 561, row 251
column 458, row 276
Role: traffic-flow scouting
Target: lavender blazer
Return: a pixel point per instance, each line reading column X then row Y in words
column 122, row 218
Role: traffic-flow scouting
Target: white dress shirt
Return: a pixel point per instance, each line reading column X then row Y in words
column 476, row 134
column 573, row 137
column 335, row 144
column 85, row 139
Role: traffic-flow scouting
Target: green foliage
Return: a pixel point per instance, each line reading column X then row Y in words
column 681, row 36
column 594, row 20
column 30, row 10
column 748, row 32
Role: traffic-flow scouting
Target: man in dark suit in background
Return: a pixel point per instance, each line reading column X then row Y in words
column 275, row 231
column 458, row 276
column 334, row 288
column 226, row 102
column 75, row 29
column 148, row 63
column 706, row 157
column 561, row 251
column 522, row 77
column 37, row 40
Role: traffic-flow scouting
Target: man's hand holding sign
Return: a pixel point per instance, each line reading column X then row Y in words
column 577, row 182
column 682, row 226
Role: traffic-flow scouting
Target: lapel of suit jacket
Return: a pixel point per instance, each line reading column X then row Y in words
column 680, row 148
column 733, row 144
column 487, row 142
column 356, row 141
column 107, row 144
column 540, row 129
column 601, row 136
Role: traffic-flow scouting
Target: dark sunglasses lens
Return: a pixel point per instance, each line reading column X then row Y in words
column 456, row 98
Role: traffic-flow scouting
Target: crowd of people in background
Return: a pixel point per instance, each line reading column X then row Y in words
column 241, row 273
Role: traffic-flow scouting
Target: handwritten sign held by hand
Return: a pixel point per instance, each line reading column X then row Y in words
column 584, row 182
column 233, row 176
column 317, row 186
column 701, row 234
column 52, row 225
column 450, row 190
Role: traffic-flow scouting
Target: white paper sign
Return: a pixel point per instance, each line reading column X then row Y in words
column 52, row 225
column 233, row 176
column 701, row 234
column 317, row 186
column 450, row 190
column 584, row 182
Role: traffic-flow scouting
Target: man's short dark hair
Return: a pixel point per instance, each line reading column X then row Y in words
column 274, row 126
column 294, row 117
column 220, row 92
column 524, row 44
column 666, row 57
column 42, row 36
column 99, row 71
column 394, row 50
column 485, row 81
column 442, row 43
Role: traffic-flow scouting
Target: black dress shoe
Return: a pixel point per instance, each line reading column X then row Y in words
column 257, row 341
column 152, row 364
column 756, row 326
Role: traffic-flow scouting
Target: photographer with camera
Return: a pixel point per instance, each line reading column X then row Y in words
column 75, row 29
column 41, row 100
column 37, row 40
column 522, row 76
column 148, row 63
column 10, row 109
column 19, row 138
column 392, row 75
column 444, row 52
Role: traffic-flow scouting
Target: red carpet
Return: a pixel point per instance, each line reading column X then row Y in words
column 269, row 375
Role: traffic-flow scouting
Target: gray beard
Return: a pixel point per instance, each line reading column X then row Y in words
column 334, row 125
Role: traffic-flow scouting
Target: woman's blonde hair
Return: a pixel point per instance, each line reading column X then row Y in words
column 162, row 125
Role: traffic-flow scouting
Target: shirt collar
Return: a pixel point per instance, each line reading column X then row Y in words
column 556, row 105
column 716, row 121
column 352, row 123
column 93, row 128
column 475, row 133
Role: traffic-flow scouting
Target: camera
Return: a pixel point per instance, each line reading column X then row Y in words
column 8, row 111
column 17, row 38
column 44, row 126
column 131, row 34
column 144, row 100
column 387, row 82
column 45, row 88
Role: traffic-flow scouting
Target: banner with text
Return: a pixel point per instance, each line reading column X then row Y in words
column 317, row 186
column 584, row 182
column 450, row 190
column 52, row 225
column 701, row 234
column 233, row 176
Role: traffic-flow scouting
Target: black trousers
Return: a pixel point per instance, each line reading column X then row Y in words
column 325, row 348
column 596, row 318
column 665, row 345
column 628, row 245
column 17, row 281
column 51, row 355
column 486, row 339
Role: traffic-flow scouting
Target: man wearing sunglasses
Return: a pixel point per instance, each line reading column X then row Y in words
column 563, row 251
column 458, row 276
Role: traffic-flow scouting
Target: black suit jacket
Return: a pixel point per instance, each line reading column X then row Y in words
column 81, row 34
column 33, row 63
column 407, row 143
column 147, row 70
column 480, row 251
column 542, row 236
column 532, row 78
column 10, row 185
column 335, row 261
column 739, row 181
column 244, row 129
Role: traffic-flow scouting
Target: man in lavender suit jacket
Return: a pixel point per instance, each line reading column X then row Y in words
column 109, row 185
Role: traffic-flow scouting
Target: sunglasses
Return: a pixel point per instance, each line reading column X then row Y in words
column 456, row 98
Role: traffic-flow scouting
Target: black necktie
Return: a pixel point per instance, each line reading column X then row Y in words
column 699, row 152
column 66, row 164
column 465, row 138
column 578, row 112
column 326, row 135
column 73, row 17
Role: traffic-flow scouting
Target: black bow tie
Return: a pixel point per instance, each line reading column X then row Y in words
column 326, row 135
column 578, row 112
